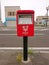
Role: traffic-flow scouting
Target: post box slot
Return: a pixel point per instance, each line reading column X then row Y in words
column 25, row 19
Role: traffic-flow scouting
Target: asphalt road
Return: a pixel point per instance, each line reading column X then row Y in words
column 8, row 38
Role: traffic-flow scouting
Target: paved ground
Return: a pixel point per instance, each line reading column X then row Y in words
column 8, row 57
column 8, row 38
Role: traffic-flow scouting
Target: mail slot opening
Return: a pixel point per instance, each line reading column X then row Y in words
column 25, row 19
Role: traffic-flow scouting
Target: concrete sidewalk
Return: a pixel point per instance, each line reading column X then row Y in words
column 8, row 57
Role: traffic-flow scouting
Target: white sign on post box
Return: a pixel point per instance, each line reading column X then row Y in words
column 25, row 19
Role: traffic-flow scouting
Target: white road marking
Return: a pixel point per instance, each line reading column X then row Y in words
column 8, row 34
column 16, row 34
column 35, row 49
column 35, row 29
column 39, row 34
column 41, row 51
column 44, row 29
column 8, row 30
column 20, row 48
column 40, row 48
column 16, row 30
column 41, row 29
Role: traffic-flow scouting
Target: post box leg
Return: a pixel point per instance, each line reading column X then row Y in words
column 25, row 48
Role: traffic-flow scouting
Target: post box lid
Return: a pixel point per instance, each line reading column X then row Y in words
column 25, row 12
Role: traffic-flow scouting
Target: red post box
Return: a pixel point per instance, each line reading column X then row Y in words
column 25, row 28
column 25, row 22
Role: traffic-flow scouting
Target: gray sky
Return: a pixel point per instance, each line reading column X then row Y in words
column 39, row 6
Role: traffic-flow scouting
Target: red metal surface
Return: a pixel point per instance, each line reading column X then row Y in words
column 25, row 12
column 25, row 29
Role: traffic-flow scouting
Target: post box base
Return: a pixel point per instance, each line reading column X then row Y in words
column 28, row 61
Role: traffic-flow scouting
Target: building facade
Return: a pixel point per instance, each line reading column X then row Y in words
column 42, row 19
column 10, row 15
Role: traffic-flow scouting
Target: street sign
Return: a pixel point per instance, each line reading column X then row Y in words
column 25, row 22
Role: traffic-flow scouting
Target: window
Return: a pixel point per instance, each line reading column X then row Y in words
column 40, row 22
column 11, row 13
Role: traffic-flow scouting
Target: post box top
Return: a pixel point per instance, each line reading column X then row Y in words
column 25, row 12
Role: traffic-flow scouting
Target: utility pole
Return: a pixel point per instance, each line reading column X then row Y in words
column 47, row 8
column 0, row 10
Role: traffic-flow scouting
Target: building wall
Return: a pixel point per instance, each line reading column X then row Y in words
column 11, row 23
column 10, row 15
column 9, row 9
column 40, row 18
